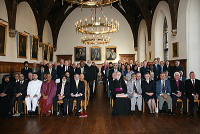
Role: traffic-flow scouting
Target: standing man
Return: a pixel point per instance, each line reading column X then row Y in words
column 51, row 71
column 67, row 66
column 35, row 68
column 61, row 69
column 163, row 91
column 26, row 70
column 33, row 94
column 156, row 70
column 103, row 75
column 144, row 69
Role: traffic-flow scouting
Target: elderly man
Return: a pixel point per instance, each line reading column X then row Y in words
column 30, row 77
column 48, row 92
column 76, row 93
column 163, row 91
column 33, row 94
column 35, row 68
column 61, row 69
column 192, row 86
column 178, row 91
column 51, row 71
column 135, row 93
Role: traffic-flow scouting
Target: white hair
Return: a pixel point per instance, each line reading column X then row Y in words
column 176, row 73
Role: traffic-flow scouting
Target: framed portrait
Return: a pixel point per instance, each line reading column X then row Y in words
column 34, row 48
column 175, row 49
column 51, row 50
column 95, row 53
column 45, row 51
column 22, row 45
column 111, row 53
column 3, row 39
column 79, row 53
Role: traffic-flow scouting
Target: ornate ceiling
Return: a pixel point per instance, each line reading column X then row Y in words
column 56, row 13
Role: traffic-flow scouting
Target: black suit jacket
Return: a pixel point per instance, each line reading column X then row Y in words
column 143, row 71
column 66, row 89
column 148, row 88
column 80, row 89
column 157, row 71
column 21, row 88
column 177, row 69
column 40, row 75
column 102, row 72
column 25, row 72
column 174, row 87
column 169, row 69
column 60, row 71
column 91, row 73
column 53, row 73
column 190, row 89
column 72, row 73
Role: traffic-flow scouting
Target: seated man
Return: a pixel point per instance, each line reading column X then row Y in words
column 76, row 93
column 178, row 91
column 135, row 93
column 63, row 93
column 48, row 92
column 192, row 86
column 6, row 88
column 163, row 91
column 33, row 94
column 19, row 95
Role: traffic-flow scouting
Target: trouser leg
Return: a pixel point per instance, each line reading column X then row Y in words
column 169, row 102
column 133, row 102
column 20, row 104
column 161, row 101
column 12, row 103
column 91, row 89
column 184, row 99
column 139, row 103
column 174, row 101
column 65, row 103
column 34, row 103
column 55, row 99
column 191, row 103
column 28, row 103
column 78, row 101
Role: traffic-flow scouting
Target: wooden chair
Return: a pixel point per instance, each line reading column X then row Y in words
column 180, row 101
column 143, row 104
column 165, row 100
column 15, row 108
column 59, row 102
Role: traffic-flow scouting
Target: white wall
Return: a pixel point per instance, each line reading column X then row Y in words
column 142, row 41
column 193, row 36
column 68, row 38
column 162, row 11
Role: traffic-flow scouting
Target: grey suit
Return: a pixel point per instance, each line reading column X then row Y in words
column 133, row 96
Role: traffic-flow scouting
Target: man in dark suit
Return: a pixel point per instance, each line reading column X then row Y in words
column 177, row 68
column 103, row 74
column 19, row 95
column 144, row 69
column 67, row 67
column 26, row 70
column 51, row 71
column 131, row 64
column 63, row 93
column 61, row 69
column 192, row 86
column 178, row 91
column 76, row 93
column 115, row 69
column 41, row 73
column 72, row 72
column 156, row 70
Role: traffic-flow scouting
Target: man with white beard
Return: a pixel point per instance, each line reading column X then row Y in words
column 33, row 94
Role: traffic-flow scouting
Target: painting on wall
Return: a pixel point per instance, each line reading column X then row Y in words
column 22, row 45
column 34, row 48
column 45, row 51
column 95, row 53
column 51, row 50
column 111, row 53
column 175, row 49
column 3, row 34
column 150, row 55
column 79, row 53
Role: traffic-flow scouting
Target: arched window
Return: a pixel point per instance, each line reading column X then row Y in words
column 165, row 40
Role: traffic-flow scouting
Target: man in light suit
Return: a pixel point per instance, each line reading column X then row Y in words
column 135, row 93
column 163, row 91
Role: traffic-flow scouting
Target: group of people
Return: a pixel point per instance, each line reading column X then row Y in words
column 129, row 83
column 46, row 85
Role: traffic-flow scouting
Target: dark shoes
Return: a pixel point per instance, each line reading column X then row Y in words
column 192, row 115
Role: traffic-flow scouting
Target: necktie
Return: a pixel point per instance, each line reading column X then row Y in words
column 193, row 83
column 163, row 87
column 177, row 84
column 62, row 90
column 134, row 87
column 21, row 83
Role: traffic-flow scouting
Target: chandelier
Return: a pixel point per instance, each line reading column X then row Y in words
column 92, row 3
column 95, row 39
column 97, row 26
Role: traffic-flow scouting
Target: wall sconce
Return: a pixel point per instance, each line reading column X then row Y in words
column 149, row 43
column 12, row 33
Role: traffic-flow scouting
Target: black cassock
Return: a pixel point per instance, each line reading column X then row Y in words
column 7, row 88
column 122, row 106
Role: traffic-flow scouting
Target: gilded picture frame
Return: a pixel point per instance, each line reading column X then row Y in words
column 35, row 48
column 3, row 39
column 45, row 52
column 51, row 50
column 22, row 46
column 111, row 53
column 175, row 48
column 79, row 53
column 95, row 53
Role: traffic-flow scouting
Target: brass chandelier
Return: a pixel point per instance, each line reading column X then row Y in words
column 97, row 26
column 92, row 3
column 95, row 39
